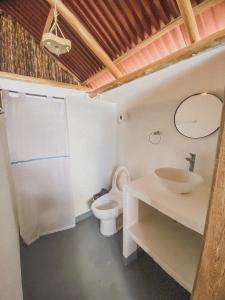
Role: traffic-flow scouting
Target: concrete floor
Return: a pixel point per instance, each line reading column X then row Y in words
column 81, row 264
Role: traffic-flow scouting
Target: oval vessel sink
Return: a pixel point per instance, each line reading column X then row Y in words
column 178, row 181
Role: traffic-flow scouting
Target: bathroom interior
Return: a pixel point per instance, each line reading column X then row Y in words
column 106, row 179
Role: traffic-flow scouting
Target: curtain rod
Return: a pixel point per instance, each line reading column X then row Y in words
column 31, row 94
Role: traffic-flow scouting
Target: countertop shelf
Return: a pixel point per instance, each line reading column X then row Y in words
column 174, row 247
column 187, row 209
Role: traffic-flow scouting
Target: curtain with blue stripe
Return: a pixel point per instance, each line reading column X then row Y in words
column 39, row 152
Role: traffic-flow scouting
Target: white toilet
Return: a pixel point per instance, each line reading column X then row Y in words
column 108, row 207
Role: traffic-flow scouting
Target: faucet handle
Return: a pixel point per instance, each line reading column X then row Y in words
column 192, row 154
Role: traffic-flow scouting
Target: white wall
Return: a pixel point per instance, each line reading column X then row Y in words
column 10, row 273
column 151, row 102
column 92, row 138
column 93, row 145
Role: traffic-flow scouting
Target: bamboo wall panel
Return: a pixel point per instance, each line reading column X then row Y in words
column 32, row 15
column 21, row 54
column 210, row 281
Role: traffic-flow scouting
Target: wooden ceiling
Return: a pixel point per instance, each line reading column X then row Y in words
column 117, row 25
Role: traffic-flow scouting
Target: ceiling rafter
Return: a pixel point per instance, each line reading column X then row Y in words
column 188, row 16
column 86, row 36
column 198, row 9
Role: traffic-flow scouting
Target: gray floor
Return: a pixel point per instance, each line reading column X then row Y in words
column 81, row 264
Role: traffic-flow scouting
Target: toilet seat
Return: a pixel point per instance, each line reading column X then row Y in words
column 111, row 204
column 108, row 207
column 105, row 207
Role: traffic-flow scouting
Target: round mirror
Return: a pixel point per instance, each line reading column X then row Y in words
column 198, row 116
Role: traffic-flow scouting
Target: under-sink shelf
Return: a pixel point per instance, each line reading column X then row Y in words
column 187, row 209
column 165, row 225
column 174, row 247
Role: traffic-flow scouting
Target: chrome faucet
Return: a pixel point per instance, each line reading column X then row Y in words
column 191, row 161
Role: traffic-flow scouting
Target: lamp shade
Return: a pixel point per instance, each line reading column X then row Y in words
column 55, row 44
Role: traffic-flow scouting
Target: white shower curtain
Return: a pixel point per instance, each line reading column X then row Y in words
column 37, row 137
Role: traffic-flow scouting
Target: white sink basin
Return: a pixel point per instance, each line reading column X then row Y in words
column 178, row 181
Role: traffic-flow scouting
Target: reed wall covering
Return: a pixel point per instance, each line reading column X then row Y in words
column 21, row 54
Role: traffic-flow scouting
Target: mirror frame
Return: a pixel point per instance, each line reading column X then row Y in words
column 196, row 138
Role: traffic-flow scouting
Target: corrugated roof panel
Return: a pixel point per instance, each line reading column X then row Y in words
column 167, row 44
column 209, row 22
column 212, row 20
column 120, row 25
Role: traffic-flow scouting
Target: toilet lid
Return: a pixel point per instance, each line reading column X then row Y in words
column 120, row 178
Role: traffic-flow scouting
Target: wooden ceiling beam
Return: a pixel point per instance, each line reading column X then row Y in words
column 173, row 58
column 198, row 9
column 29, row 79
column 86, row 36
column 188, row 16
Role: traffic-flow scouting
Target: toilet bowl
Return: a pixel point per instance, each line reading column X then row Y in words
column 108, row 207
